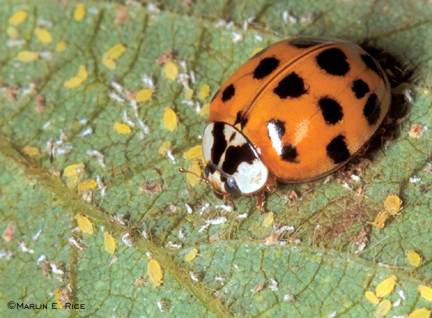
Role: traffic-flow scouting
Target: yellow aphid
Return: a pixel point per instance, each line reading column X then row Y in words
column 79, row 12
column 73, row 170
column 386, row 287
column 392, row 204
column 27, row 56
column 413, row 258
column 43, row 35
column 58, row 295
column 425, row 292
column 78, row 79
column 190, row 256
column 84, row 223
column 109, row 63
column 18, row 17
column 268, row 219
column 122, row 129
column 195, row 152
column 72, row 182
column 383, row 308
column 12, row 32
column 170, row 70
column 109, row 243
column 169, row 119
column 188, row 93
column 144, row 95
column 204, row 92
column 154, row 272
column 193, row 178
column 110, row 56
column 205, row 110
column 31, row 151
column 380, row 219
column 166, row 145
column 371, row 297
column 258, row 49
column 420, row 313
column 60, row 46
column 87, row 185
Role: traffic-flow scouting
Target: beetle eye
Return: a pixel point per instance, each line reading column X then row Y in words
column 231, row 186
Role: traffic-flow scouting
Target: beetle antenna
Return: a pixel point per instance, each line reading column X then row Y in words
column 182, row 170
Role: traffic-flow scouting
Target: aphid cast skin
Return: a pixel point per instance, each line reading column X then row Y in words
column 295, row 112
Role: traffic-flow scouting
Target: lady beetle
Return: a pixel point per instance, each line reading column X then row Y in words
column 295, row 112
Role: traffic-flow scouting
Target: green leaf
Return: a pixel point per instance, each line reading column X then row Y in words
column 315, row 255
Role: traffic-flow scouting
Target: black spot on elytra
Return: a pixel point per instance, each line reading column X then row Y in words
column 372, row 109
column 331, row 110
column 228, row 93
column 235, row 155
column 219, row 142
column 304, row 43
column 360, row 88
column 240, row 119
column 265, row 67
column 291, row 85
column 333, row 61
column 278, row 125
column 337, row 149
column 289, row 153
column 371, row 64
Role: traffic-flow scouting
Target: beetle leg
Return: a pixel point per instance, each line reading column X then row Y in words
column 271, row 184
column 261, row 200
column 229, row 201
